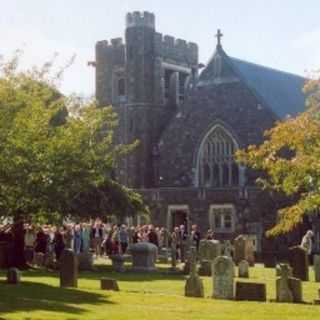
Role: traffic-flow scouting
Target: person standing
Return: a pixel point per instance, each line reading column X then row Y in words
column 58, row 243
column 124, row 238
column 97, row 237
column 196, row 236
column 77, row 238
column 306, row 242
column 183, row 242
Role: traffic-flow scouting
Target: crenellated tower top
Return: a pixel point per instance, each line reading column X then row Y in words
column 141, row 19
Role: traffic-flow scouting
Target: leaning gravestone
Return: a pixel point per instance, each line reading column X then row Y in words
column 223, row 278
column 143, row 257
column 299, row 263
column 251, row 291
column 68, row 269
column 316, row 267
column 194, row 285
column 13, row 276
column 208, row 251
column 243, row 269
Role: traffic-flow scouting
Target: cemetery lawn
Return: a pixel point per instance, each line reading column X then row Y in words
column 155, row 296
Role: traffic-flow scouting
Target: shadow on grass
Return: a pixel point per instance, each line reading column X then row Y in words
column 32, row 296
column 102, row 270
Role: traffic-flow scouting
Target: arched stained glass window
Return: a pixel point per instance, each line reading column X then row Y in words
column 217, row 167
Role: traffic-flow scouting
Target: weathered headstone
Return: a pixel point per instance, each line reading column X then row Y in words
column 85, row 261
column 194, row 285
column 243, row 269
column 283, row 291
column 288, row 289
column 251, row 291
column 243, row 250
column 109, row 284
column 316, row 267
column 143, row 257
column 117, row 263
column 68, row 269
column 223, row 278
column 208, row 251
column 295, row 286
column 13, row 276
column 299, row 263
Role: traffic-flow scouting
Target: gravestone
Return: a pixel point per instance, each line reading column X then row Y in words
column 208, row 251
column 13, row 276
column 243, row 269
column 68, row 269
column 316, row 267
column 143, row 257
column 283, row 292
column 295, row 286
column 299, row 263
column 288, row 289
column 118, row 263
column 85, row 261
column 251, row 291
column 239, row 249
column 194, row 285
column 223, row 278
column 243, row 250
column 109, row 284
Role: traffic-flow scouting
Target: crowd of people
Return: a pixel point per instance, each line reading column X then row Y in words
column 102, row 239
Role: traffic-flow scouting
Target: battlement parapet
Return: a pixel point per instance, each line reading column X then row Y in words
column 178, row 50
column 140, row 19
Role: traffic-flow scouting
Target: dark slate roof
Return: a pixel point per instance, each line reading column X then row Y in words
column 282, row 91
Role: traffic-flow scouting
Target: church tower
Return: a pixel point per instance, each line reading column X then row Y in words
column 140, row 32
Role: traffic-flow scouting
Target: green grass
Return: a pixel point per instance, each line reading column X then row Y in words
column 155, row 296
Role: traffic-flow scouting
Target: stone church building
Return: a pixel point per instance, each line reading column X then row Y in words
column 190, row 119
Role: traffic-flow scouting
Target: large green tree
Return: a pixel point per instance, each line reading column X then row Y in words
column 289, row 161
column 49, row 156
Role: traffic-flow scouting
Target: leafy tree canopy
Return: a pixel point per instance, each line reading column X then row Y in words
column 290, row 157
column 49, row 156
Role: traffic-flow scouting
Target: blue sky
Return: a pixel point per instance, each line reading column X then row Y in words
column 283, row 34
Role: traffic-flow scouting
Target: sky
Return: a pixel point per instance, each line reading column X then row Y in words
column 282, row 34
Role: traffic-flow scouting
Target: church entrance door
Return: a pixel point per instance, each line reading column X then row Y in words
column 177, row 216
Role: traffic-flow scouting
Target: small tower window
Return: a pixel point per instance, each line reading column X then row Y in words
column 121, row 87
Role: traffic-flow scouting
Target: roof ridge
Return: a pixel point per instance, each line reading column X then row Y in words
column 266, row 67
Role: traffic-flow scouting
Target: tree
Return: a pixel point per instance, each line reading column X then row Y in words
column 48, row 156
column 289, row 160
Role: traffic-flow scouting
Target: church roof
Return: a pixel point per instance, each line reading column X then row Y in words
column 280, row 91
